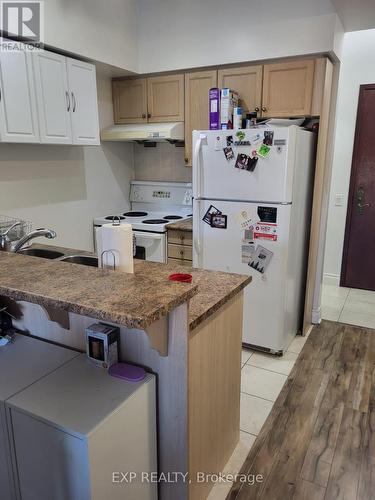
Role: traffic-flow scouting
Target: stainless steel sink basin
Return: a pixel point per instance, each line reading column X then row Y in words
column 41, row 252
column 85, row 260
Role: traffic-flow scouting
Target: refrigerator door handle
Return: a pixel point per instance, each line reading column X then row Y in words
column 197, row 230
column 196, row 165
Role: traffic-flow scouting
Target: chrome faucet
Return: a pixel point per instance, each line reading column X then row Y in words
column 48, row 233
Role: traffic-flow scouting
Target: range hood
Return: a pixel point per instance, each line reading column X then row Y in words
column 144, row 132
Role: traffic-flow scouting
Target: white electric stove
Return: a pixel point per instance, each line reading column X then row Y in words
column 154, row 205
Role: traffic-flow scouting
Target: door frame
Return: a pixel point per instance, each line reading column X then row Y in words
column 353, row 176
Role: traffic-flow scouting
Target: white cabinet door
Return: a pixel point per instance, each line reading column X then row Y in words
column 54, row 99
column 84, row 102
column 18, row 120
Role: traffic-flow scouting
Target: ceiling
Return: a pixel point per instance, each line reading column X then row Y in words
column 356, row 14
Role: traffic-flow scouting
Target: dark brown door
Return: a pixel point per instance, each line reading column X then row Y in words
column 358, row 265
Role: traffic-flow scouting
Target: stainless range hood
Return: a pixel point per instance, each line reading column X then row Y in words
column 154, row 132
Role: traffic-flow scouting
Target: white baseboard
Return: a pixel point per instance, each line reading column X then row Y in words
column 331, row 279
column 316, row 316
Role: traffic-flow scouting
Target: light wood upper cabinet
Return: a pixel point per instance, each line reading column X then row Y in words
column 247, row 81
column 288, row 88
column 130, row 100
column 165, row 98
column 197, row 86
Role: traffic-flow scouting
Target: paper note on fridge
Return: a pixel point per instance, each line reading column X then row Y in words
column 261, row 259
column 265, row 231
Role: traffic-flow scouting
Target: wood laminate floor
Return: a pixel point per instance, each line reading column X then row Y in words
column 319, row 439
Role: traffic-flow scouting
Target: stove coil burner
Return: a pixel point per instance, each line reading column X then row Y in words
column 115, row 217
column 135, row 214
column 172, row 217
column 154, row 221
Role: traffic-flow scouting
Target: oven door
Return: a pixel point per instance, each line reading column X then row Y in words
column 151, row 246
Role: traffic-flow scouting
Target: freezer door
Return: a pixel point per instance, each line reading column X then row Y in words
column 216, row 177
column 244, row 241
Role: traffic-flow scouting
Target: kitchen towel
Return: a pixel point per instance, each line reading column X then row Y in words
column 117, row 241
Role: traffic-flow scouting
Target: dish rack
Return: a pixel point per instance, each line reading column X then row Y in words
column 19, row 231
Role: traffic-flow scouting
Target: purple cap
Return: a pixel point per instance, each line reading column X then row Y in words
column 125, row 371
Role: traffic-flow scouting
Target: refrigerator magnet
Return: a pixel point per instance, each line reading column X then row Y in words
column 252, row 163
column 219, row 221
column 268, row 138
column 211, row 211
column 261, row 259
column 229, row 155
column 247, row 251
column 229, row 140
column 256, row 138
column 242, row 161
column 265, row 231
column 217, row 143
column 263, row 150
column 240, row 134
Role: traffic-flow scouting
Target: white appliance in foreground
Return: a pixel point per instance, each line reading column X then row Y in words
column 262, row 225
column 154, row 205
column 22, row 362
column 76, row 429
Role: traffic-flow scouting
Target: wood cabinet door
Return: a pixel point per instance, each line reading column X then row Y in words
column 165, row 98
column 53, row 97
column 84, row 108
column 18, row 109
column 130, row 100
column 247, row 81
column 197, row 86
column 288, row 88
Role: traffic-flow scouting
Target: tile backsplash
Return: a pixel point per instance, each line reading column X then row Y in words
column 165, row 162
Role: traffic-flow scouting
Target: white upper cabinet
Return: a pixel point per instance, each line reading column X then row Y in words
column 53, row 96
column 18, row 109
column 84, row 102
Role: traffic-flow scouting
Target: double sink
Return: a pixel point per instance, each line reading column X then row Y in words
column 85, row 260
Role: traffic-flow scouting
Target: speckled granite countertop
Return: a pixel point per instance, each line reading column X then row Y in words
column 184, row 225
column 135, row 300
column 214, row 287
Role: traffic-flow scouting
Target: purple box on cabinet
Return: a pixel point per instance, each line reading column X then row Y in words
column 214, row 98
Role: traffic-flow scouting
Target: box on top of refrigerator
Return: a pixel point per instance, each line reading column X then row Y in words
column 229, row 100
column 214, row 98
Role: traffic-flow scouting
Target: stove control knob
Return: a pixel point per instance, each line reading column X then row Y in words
column 135, row 194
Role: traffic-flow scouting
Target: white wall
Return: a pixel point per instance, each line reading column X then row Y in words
column 175, row 34
column 64, row 187
column 104, row 31
column 357, row 67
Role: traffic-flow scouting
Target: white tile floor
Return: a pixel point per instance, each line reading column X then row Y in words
column 263, row 377
column 348, row 305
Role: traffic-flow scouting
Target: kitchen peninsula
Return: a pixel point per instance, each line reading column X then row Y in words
column 188, row 334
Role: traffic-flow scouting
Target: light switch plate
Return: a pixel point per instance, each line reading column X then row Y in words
column 339, row 200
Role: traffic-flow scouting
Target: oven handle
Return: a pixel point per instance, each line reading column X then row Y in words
column 148, row 236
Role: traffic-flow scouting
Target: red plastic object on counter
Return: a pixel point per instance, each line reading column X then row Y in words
column 182, row 278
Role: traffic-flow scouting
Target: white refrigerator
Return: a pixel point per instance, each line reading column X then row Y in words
column 252, row 203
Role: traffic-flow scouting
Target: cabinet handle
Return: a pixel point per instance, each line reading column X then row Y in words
column 181, row 252
column 264, row 108
column 74, row 102
column 148, row 115
column 186, row 160
column 257, row 109
column 143, row 115
column 67, row 100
